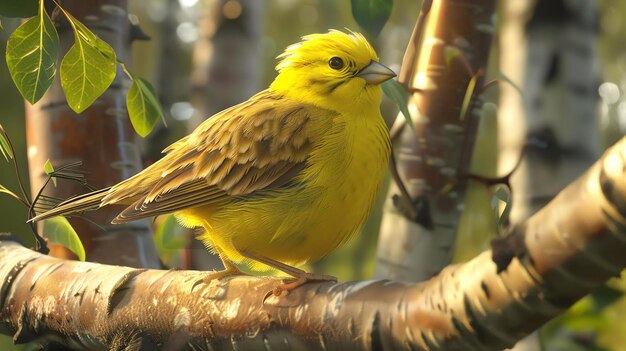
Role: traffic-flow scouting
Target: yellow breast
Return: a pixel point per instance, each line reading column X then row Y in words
column 298, row 224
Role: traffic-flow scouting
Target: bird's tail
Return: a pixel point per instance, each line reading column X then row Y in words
column 80, row 203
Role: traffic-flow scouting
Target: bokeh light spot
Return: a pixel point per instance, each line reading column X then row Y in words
column 232, row 9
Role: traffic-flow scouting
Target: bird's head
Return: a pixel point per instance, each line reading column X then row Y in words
column 331, row 70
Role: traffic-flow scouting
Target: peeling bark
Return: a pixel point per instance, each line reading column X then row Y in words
column 569, row 247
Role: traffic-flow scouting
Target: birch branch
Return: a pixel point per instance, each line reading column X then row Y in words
column 546, row 264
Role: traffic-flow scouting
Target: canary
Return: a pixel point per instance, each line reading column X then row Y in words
column 281, row 179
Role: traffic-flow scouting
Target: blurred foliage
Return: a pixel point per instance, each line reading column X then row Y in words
column 372, row 15
column 170, row 238
column 21, row 8
column 578, row 328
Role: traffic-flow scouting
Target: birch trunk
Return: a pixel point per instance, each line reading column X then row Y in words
column 101, row 137
column 549, row 50
column 434, row 160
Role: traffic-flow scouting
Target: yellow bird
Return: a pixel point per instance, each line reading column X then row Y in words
column 278, row 180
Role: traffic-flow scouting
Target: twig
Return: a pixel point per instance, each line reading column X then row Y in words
column 488, row 85
column 505, row 179
column 15, row 167
column 405, row 197
column 406, row 71
column 3, row 189
column 466, row 64
column 397, row 129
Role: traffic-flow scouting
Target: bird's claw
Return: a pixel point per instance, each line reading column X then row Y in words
column 217, row 275
column 301, row 280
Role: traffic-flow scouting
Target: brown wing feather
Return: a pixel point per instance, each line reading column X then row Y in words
column 258, row 145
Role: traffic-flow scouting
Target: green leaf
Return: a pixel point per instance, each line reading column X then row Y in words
column 169, row 238
column 31, row 55
column 501, row 194
column 47, row 167
column 451, row 53
column 469, row 91
column 604, row 296
column 18, row 8
column 143, row 106
column 372, row 15
column 400, row 96
column 5, row 149
column 170, row 235
column 87, row 69
column 59, row 231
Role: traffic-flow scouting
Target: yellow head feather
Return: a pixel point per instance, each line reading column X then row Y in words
column 337, row 42
column 305, row 73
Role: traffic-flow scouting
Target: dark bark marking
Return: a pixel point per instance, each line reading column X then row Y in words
column 506, row 248
column 553, row 70
column 25, row 332
column 120, row 289
column 8, row 283
column 375, row 334
column 612, row 195
column 485, row 288
column 473, row 320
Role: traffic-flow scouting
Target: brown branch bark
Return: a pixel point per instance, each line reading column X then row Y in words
column 565, row 250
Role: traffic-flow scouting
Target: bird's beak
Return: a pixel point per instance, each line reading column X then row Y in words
column 375, row 73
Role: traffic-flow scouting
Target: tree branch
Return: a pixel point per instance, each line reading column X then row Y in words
column 560, row 254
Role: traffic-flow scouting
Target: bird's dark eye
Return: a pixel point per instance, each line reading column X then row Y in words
column 335, row 63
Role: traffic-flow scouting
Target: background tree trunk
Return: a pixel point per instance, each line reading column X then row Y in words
column 548, row 48
column 101, row 137
column 226, row 71
column 435, row 158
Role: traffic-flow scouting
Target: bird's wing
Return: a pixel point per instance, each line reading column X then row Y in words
column 258, row 145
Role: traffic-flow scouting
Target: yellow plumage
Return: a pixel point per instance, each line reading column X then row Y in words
column 286, row 176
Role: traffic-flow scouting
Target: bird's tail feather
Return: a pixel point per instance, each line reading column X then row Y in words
column 89, row 201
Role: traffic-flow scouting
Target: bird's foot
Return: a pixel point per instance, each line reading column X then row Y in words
column 229, row 271
column 302, row 279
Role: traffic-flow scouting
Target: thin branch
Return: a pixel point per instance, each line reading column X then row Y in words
column 488, row 85
column 4, row 190
column 505, row 179
column 26, row 198
column 465, row 63
column 396, row 129
column 405, row 197
column 406, row 73
column 407, row 68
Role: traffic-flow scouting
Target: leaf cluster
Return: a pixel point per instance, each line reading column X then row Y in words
column 86, row 70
